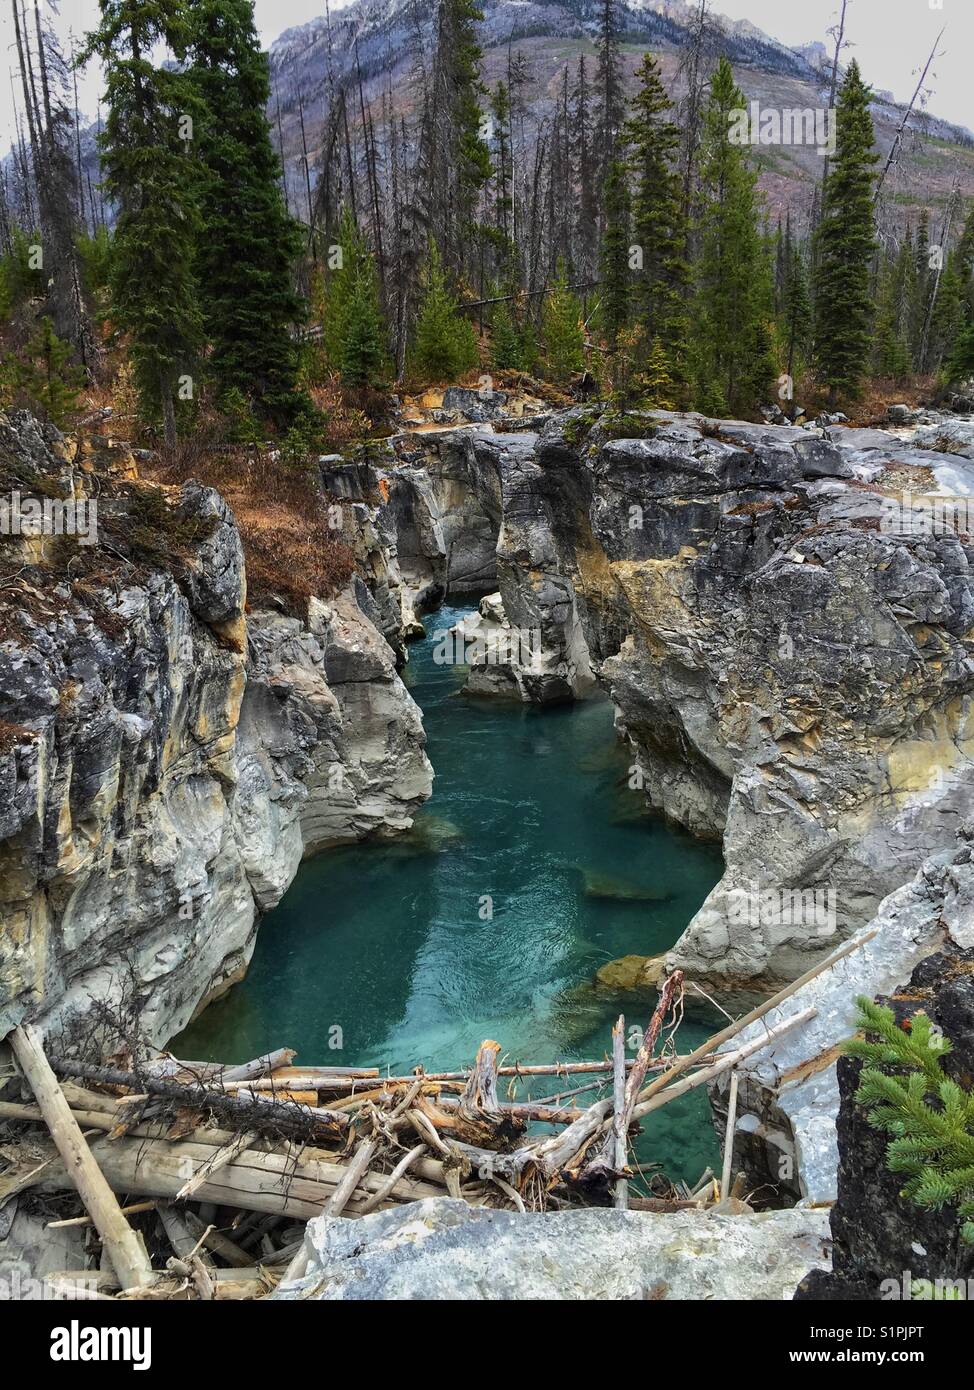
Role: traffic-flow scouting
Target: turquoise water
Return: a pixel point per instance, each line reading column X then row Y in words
column 395, row 945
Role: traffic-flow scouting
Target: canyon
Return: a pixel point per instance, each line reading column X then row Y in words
column 792, row 675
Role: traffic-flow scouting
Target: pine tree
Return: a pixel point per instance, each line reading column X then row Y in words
column 892, row 352
column 959, row 367
column 735, row 281
column 845, row 245
column 657, row 386
column 364, row 359
column 353, row 328
column 248, row 242
column 658, row 227
column 561, row 332
column 43, row 374
column 616, row 275
column 510, row 347
column 445, row 346
column 149, row 170
column 932, row 1144
column 610, row 96
column 946, row 317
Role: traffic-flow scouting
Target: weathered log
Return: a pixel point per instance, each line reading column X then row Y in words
column 125, row 1249
column 253, row 1113
column 479, row 1097
column 725, row 1173
column 731, row 1059
column 298, row 1187
column 354, row 1173
column 216, row 1161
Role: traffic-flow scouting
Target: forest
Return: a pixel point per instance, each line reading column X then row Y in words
column 625, row 251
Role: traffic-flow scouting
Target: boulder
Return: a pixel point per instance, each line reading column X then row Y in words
column 440, row 1249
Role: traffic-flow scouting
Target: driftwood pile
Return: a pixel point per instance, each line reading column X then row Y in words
column 219, row 1167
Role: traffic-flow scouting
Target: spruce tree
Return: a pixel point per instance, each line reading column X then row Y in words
column 445, row 345
column 149, row 170
column 43, row 374
column 353, row 328
column 735, row 279
column 845, row 245
column 364, row 359
column 616, row 275
column 248, row 243
column 932, row 1144
column 892, row 353
column 658, row 227
column 561, row 332
column 796, row 305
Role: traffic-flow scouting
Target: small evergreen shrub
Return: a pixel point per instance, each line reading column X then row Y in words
column 930, row 1117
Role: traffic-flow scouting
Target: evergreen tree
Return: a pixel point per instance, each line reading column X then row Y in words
column 845, row 245
column 932, row 1144
column 616, row 275
column 796, row 305
column 445, row 345
column 352, row 322
column 149, row 170
column 43, row 374
column 892, row 352
column 510, row 348
column 959, row 367
column 735, row 282
column 658, row 227
column 248, row 242
column 610, row 95
column 561, row 332
column 946, row 316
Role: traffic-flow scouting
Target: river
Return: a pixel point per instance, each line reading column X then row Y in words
column 532, row 864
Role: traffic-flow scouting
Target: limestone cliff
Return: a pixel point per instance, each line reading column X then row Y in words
column 166, row 757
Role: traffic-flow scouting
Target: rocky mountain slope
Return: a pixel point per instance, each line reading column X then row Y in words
column 381, row 40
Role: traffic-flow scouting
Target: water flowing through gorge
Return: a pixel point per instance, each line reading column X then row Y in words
column 391, row 943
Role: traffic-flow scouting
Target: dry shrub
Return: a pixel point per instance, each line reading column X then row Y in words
column 280, row 512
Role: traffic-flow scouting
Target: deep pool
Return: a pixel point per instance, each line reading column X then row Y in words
column 389, row 948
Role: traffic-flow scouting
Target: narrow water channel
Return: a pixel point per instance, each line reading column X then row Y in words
column 531, row 865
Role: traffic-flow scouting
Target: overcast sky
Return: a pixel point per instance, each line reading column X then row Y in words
column 891, row 39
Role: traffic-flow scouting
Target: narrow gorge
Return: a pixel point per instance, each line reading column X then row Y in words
column 788, row 675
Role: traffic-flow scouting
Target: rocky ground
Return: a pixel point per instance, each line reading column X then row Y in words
column 792, row 671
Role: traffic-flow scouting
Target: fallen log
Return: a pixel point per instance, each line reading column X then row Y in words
column 125, row 1249
column 299, row 1121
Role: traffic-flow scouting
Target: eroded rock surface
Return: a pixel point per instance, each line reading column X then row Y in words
column 443, row 1249
column 794, row 673
column 164, row 760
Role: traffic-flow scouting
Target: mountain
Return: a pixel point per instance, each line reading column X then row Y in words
column 385, row 37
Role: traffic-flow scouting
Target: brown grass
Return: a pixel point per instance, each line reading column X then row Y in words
column 279, row 511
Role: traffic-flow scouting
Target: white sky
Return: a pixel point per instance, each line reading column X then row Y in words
column 892, row 39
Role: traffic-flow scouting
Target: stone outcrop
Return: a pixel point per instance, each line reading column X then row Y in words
column 165, row 760
column 444, row 1249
